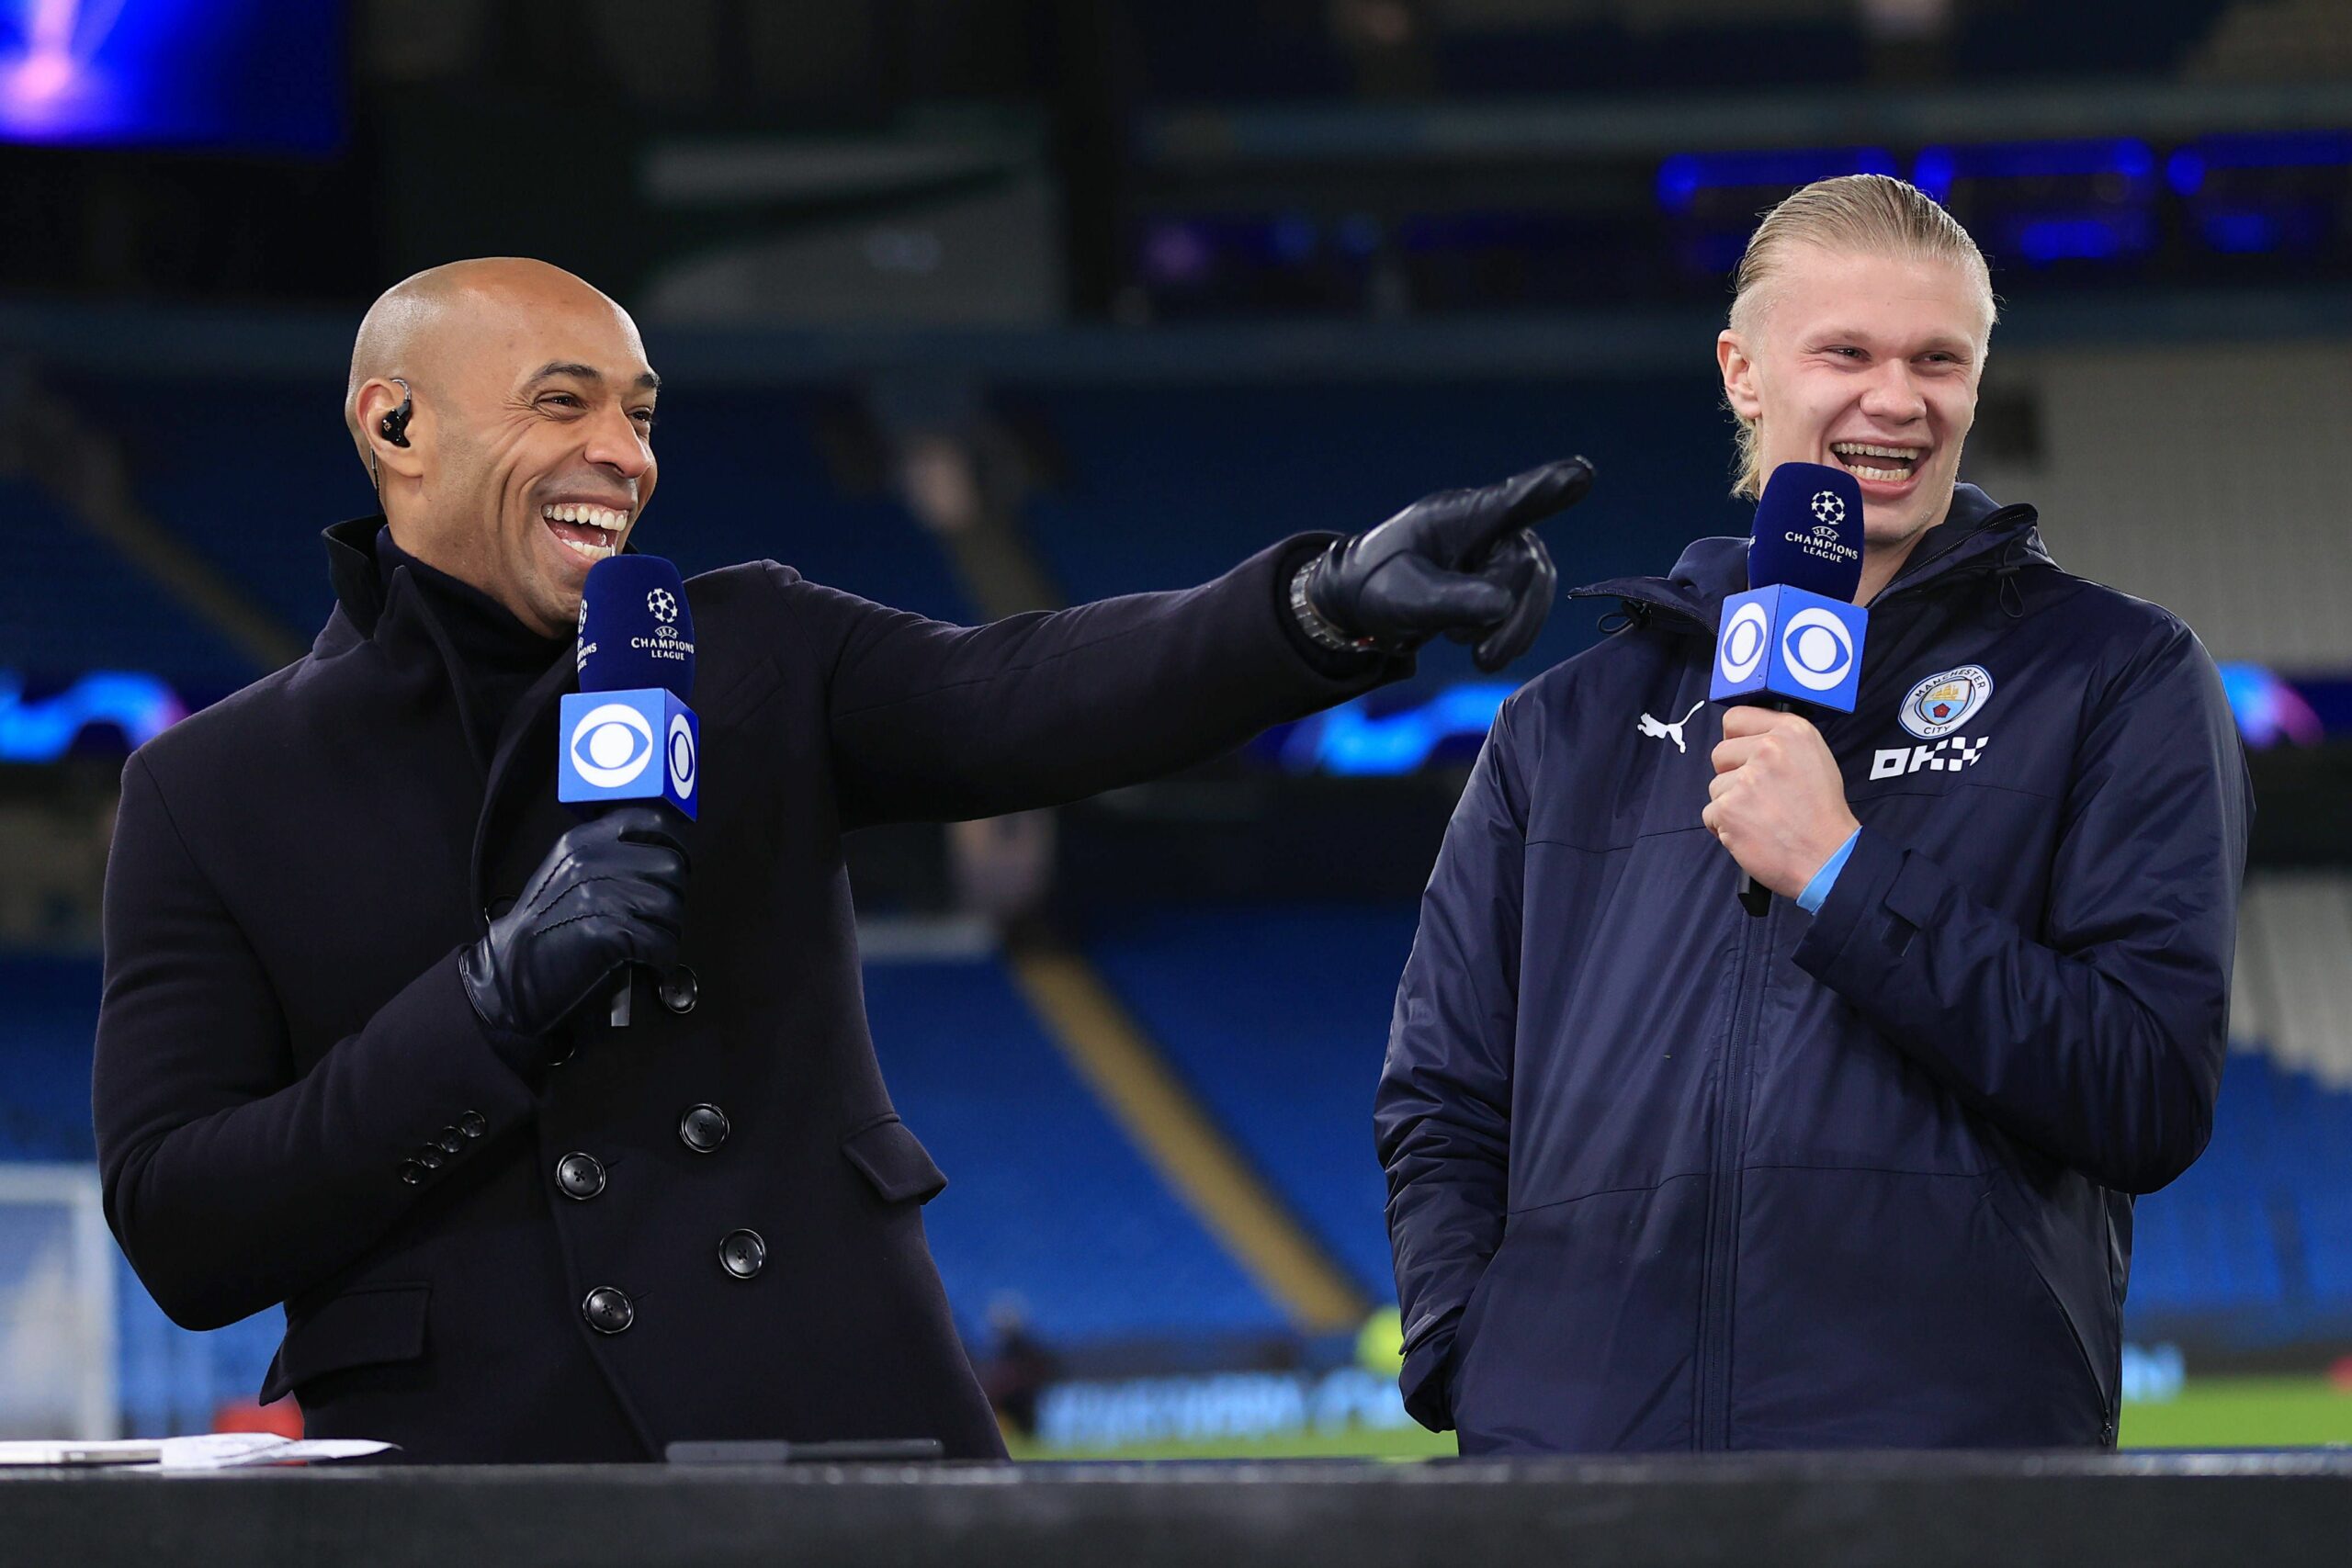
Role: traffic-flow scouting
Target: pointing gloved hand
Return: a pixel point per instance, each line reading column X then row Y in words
column 1465, row 562
column 610, row 893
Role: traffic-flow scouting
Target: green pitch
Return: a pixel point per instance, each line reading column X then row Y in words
column 2211, row 1413
column 2242, row 1413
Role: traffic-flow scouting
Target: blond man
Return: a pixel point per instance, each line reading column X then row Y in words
column 1859, row 1173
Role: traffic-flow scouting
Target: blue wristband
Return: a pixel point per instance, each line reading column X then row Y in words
column 1817, row 890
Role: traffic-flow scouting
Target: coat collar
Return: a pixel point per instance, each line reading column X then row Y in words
column 1713, row 569
column 393, row 616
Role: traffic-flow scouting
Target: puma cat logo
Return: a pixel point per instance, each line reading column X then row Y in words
column 1673, row 732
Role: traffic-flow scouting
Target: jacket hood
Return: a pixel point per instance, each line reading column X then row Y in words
column 1712, row 570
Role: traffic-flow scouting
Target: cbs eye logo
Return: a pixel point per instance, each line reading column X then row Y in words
column 611, row 745
column 1743, row 642
column 1817, row 647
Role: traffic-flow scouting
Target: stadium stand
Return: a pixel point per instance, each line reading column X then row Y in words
column 2294, row 930
column 69, row 604
column 45, row 1035
column 1046, row 1202
column 1508, row 48
column 2204, row 539
column 1167, row 487
column 2259, row 1226
column 742, row 478
column 1283, row 1048
column 191, row 452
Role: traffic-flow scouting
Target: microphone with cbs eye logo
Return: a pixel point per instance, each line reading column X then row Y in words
column 627, row 734
column 1796, row 635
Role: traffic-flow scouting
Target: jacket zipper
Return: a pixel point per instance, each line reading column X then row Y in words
column 1720, row 1260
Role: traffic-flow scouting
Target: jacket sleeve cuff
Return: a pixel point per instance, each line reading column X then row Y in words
column 1860, row 928
column 464, row 1082
column 1427, row 1379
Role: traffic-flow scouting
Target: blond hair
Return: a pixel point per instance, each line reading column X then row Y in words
column 1849, row 215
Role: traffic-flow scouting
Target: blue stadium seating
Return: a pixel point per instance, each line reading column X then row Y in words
column 1047, row 1200
column 1169, row 487
column 46, row 1030
column 742, row 480
column 1284, row 1046
column 246, row 477
column 70, row 604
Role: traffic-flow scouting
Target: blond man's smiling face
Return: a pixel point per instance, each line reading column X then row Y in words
column 1869, row 363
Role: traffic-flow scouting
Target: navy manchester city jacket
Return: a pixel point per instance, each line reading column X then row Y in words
column 1666, row 1176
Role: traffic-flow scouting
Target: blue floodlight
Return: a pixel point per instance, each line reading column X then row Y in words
column 1350, row 740
column 1936, row 169
column 242, row 74
column 141, row 706
column 1681, row 177
column 2267, row 709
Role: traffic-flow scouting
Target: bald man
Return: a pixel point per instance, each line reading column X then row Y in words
column 352, row 1057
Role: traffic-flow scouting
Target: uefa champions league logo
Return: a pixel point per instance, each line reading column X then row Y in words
column 664, row 605
column 1830, row 507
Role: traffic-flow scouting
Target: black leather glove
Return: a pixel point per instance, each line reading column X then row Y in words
column 610, row 893
column 1465, row 562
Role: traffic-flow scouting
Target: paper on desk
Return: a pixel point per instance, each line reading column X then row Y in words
column 224, row 1451
column 213, row 1451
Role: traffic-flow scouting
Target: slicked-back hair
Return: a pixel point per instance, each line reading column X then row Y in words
column 1874, row 215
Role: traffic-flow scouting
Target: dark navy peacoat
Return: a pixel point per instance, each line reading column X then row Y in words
column 707, row 1225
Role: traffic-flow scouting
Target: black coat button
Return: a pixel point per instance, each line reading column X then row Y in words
column 430, row 1157
column 742, row 1253
column 473, row 1126
column 608, row 1310
column 702, row 1128
column 578, row 1176
column 680, row 990
column 411, row 1172
column 450, row 1141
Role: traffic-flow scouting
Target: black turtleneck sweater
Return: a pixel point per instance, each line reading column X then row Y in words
column 497, row 657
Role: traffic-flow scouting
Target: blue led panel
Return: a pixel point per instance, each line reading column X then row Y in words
column 242, row 75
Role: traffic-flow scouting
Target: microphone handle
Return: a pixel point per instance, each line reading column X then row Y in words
column 623, row 996
column 1753, row 896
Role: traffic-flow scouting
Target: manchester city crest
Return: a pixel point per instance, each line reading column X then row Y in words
column 1941, row 703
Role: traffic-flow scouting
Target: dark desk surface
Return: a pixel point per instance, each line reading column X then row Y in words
column 2274, row 1510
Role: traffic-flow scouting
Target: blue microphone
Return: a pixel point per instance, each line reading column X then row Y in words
column 1796, row 635
column 628, row 732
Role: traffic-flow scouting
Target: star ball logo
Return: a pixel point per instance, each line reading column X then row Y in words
column 664, row 605
column 1828, row 507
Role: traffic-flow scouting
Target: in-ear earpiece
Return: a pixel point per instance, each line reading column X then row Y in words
column 393, row 426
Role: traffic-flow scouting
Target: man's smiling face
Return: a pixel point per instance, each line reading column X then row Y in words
column 531, row 455
column 1871, row 362
column 550, row 452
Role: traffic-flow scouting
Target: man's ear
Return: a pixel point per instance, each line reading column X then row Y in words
column 381, row 399
column 1739, row 376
